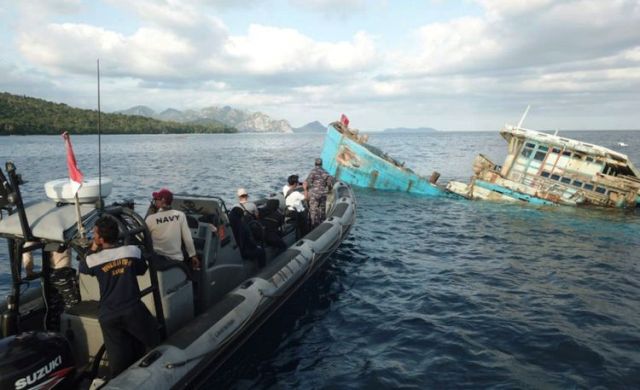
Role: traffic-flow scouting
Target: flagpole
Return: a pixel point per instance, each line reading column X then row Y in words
column 100, row 201
column 79, row 217
column 75, row 177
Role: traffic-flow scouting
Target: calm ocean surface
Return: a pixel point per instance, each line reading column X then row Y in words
column 425, row 293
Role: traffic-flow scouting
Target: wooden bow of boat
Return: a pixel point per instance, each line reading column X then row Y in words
column 348, row 157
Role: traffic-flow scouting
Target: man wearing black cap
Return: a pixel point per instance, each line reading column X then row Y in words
column 316, row 187
column 169, row 229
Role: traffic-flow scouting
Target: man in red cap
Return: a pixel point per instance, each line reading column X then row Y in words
column 169, row 229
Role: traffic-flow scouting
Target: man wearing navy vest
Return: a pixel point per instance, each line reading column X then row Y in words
column 127, row 325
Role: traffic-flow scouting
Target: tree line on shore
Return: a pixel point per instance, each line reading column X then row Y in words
column 23, row 115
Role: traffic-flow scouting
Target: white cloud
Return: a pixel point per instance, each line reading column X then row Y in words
column 504, row 9
column 168, row 13
column 222, row 4
column 182, row 44
column 341, row 8
column 524, row 34
column 569, row 54
column 269, row 50
column 451, row 47
column 43, row 8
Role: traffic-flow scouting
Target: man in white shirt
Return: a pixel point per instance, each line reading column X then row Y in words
column 294, row 201
column 293, row 195
column 169, row 229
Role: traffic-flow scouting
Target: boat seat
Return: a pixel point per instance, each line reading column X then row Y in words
column 200, row 229
column 192, row 222
column 176, row 294
column 249, row 249
column 198, row 243
column 81, row 327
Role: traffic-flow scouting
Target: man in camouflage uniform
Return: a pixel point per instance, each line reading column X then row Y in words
column 316, row 187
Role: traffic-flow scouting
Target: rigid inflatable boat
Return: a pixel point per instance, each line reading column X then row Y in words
column 203, row 316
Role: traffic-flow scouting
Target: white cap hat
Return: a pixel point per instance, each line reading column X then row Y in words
column 241, row 191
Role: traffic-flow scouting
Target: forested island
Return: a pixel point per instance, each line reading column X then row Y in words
column 22, row 115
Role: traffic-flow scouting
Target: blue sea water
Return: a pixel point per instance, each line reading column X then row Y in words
column 426, row 292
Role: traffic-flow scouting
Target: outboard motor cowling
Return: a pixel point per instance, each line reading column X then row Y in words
column 35, row 360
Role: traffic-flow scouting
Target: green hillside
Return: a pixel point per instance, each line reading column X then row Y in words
column 22, row 115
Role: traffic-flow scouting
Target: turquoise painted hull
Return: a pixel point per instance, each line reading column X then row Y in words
column 362, row 166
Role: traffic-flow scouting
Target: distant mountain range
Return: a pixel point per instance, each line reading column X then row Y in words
column 244, row 121
column 410, row 130
column 26, row 115
column 22, row 115
column 311, row 127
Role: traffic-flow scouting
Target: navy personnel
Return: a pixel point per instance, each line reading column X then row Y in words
column 316, row 187
column 169, row 229
column 127, row 325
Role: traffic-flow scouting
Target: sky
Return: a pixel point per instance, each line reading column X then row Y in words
column 449, row 65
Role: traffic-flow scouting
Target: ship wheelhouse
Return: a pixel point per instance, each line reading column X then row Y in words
column 573, row 170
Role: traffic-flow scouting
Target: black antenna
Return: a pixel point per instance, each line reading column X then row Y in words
column 100, row 201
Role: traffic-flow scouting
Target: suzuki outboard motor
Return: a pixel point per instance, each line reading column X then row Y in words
column 36, row 360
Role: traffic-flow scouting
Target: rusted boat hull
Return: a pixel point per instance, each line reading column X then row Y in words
column 546, row 169
column 363, row 165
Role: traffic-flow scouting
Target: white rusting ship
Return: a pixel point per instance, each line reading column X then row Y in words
column 548, row 169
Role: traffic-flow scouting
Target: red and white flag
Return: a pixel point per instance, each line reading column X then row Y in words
column 74, row 173
column 344, row 120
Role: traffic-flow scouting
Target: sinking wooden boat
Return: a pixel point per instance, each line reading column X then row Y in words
column 348, row 157
column 548, row 169
column 204, row 316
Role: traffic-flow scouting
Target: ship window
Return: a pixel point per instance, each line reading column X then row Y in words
column 601, row 190
column 530, row 145
column 539, row 156
column 544, row 174
column 543, row 148
column 577, row 183
column 555, row 150
column 526, row 152
column 566, row 180
column 566, row 153
column 555, row 177
column 589, row 159
column 588, row 186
